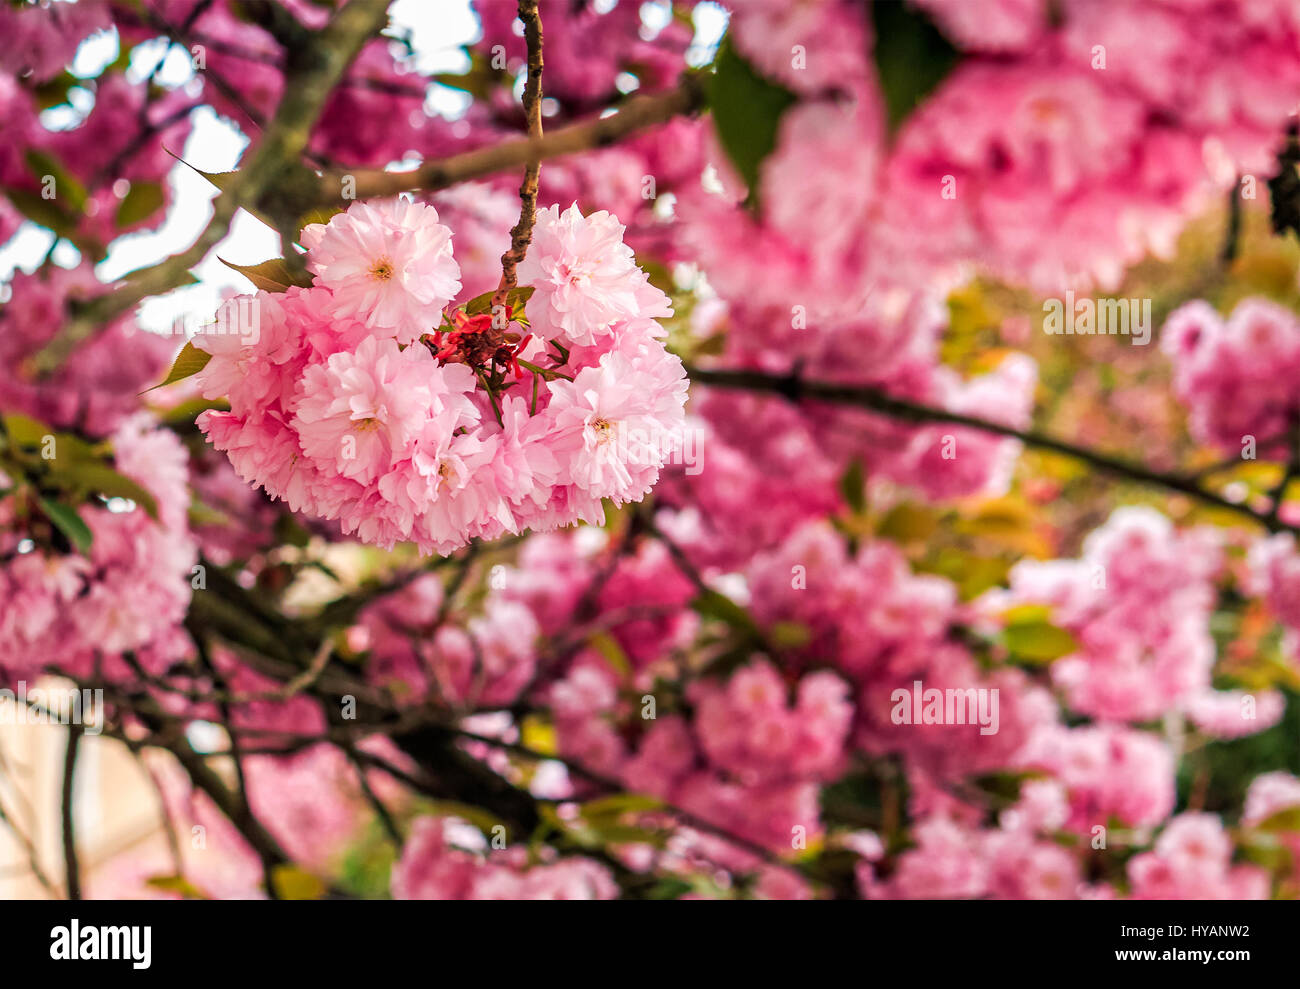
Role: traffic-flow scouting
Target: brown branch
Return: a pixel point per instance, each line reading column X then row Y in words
column 236, row 809
column 522, row 233
column 306, row 88
column 310, row 675
column 29, row 848
column 640, row 113
column 613, row 785
column 71, row 869
column 279, row 22
column 796, row 389
column 178, row 36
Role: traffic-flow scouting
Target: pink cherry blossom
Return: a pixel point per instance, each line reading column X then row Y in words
column 388, row 263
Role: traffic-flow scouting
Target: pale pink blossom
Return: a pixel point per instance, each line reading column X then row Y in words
column 388, row 262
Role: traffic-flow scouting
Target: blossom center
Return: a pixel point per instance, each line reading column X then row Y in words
column 382, row 270
column 446, row 474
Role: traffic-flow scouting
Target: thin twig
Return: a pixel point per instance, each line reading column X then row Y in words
column 29, row 848
column 521, row 234
column 71, row 869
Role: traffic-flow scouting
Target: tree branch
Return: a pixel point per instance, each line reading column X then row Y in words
column 71, row 870
column 522, row 233
column 279, row 22
column 796, row 389
column 306, row 89
column 639, row 113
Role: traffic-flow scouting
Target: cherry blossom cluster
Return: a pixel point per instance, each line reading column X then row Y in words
column 481, row 661
column 1138, row 603
column 1073, row 117
column 97, row 388
column 82, row 174
column 79, row 612
column 368, row 399
column 758, row 738
column 435, row 867
column 727, row 658
column 1232, row 374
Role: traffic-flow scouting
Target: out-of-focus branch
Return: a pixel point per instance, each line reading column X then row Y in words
column 181, row 36
column 612, row 785
column 29, row 848
column 235, row 807
column 307, row 86
column 278, row 21
column 795, row 388
column 638, row 114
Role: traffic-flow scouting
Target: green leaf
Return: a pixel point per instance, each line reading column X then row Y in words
column 91, row 478
column 538, row 734
column 908, row 522
column 1266, row 851
column 290, row 181
column 318, row 215
column 189, row 361
column 43, row 212
column 620, row 803
column 201, row 514
column 480, row 81
column 222, row 180
column 482, row 819
column 1287, row 819
column 186, row 412
column 608, row 646
column 747, row 110
column 67, row 187
column 67, row 520
column 517, row 298
column 55, row 91
column 271, row 276
column 669, row 888
column 295, row 883
column 711, row 604
column 290, row 532
column 176, row 884
column 619, row 834
column 28, row 437
column 912, row 57
column 1038, row 642
column 141, row 202
column 24, row 430
column 1005, row 785
column 790, row 635
column 1026, row 614
column 853, row 485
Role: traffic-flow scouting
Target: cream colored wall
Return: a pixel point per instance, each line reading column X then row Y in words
column 115, row 805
